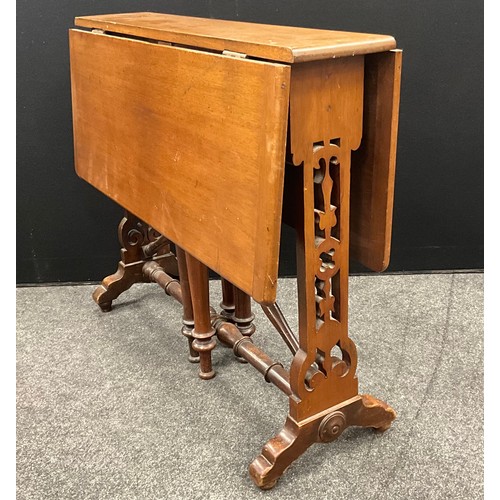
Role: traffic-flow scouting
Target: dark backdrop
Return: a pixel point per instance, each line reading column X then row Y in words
column 66, row 230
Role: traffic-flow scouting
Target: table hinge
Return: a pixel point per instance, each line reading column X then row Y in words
column 230, row 53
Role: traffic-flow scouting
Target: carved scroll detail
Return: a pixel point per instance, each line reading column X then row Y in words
column 335, row 353
column 325, row 365
column 140, row 243
column 326, row 117
column 135, row 234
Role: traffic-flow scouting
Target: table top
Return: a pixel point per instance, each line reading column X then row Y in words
column 191, row 142
column 271, row 42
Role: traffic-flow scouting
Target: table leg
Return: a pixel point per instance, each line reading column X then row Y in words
column 187, row 305
column 227, row 304
column 203, row 332
column 243, row 316
column 325, row 126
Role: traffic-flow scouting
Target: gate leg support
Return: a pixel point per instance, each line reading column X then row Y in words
column 203, row 332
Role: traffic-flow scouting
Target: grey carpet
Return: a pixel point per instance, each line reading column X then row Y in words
column 109, row 408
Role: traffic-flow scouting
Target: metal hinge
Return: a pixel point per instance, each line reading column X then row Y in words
column 230, row 53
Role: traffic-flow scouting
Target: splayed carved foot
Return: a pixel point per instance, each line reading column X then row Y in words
column 140, row 243
column 294, row 439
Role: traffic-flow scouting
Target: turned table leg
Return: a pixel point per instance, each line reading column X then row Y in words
column 187, row 305
column 203, row 332
column 243, row 316
column 227, row 305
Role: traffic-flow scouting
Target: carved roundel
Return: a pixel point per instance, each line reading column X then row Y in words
column 332, row 426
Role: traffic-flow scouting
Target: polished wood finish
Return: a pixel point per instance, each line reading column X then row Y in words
column 325, row 125
column 187, row 305
column 374, row 163
column 140, row 243
column 203, row 332
column 171, row 286
column 243, row 347
column 326, row 103
column 296, row 437
column 243, row 316
column 278, row 320
column 166, row 116
column 193, row 142
column 274, row 43
column 227, row 303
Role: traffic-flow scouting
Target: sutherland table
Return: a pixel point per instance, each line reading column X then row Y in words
column 211, row 134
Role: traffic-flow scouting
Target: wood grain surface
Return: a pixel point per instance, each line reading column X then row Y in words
column 275, row 43
column 373, row 167
column 190, row 142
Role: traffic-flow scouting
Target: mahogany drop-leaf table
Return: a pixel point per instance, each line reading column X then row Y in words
column 211, row 134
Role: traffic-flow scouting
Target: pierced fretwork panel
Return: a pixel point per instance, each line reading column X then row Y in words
column 326, row 116
column 326, row 219
column 329, row 364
